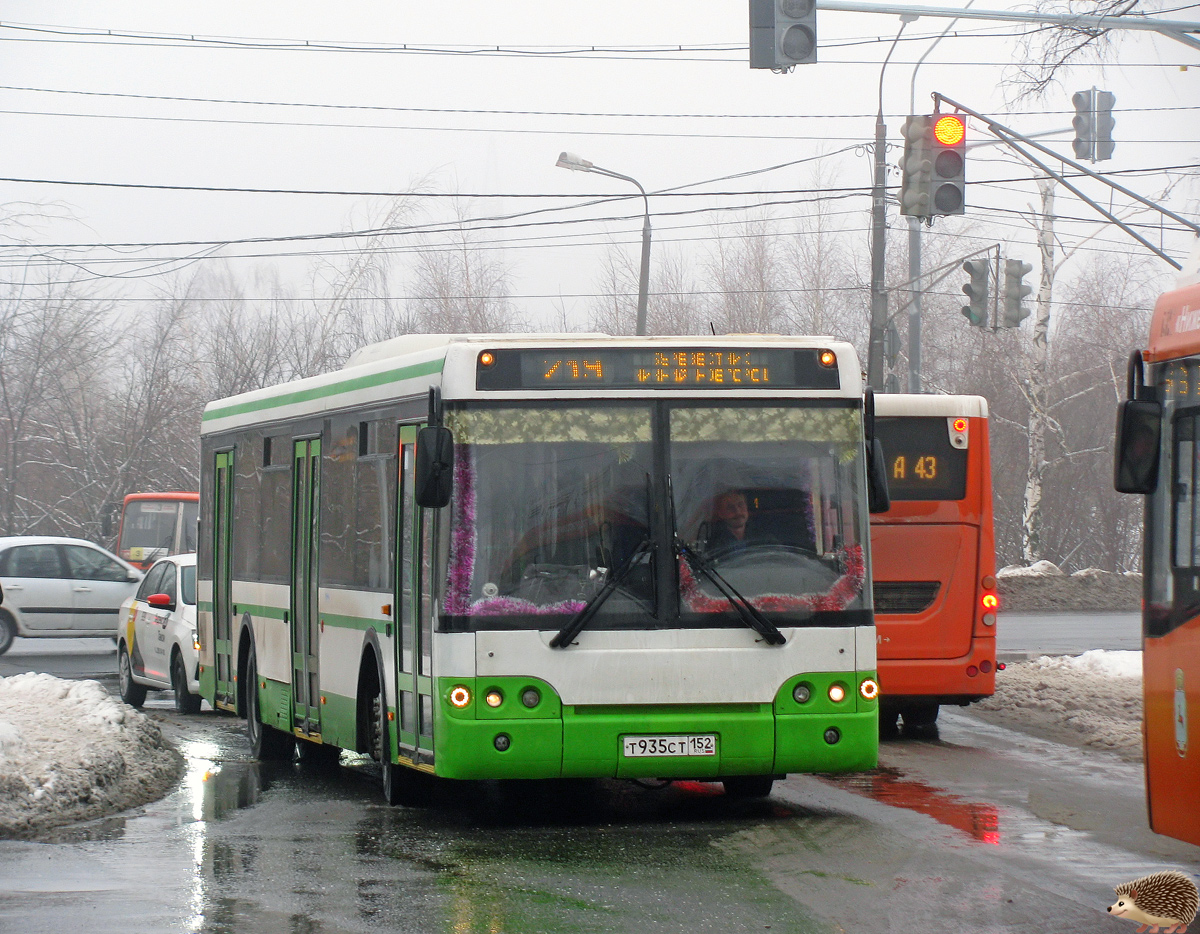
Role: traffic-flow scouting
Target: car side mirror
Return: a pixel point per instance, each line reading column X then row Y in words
column 435, row 466
column 160, row 601
column 1135, row 453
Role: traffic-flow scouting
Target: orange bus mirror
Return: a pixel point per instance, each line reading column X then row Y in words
column 1139, row 428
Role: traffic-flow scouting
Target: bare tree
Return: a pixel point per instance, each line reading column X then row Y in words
column 1045, row 50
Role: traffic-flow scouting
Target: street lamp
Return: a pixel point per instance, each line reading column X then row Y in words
column 568, row 160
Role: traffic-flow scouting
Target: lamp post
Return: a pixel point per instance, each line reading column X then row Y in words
column 568, row 160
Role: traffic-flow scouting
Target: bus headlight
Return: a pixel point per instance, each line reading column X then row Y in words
column 801, row 693
column 869, row 689
column 530, row 697
column 493, row 698
column 837, row 693
column 460, row 696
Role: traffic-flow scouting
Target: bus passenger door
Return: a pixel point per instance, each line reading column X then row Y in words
column 225, row 695
column 414, row 680
column 305, row 635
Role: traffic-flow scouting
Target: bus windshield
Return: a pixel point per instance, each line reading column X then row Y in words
column 551, row 502
column 149, row 525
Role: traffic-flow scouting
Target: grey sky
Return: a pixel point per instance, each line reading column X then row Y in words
column 389, row 150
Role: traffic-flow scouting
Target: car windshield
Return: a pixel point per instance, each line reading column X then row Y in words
column 551, row 502
column 187, row 584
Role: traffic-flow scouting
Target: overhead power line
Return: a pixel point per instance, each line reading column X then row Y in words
column 527, row 113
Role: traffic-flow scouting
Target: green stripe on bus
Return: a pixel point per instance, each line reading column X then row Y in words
column 352, row 622
column 318, row 392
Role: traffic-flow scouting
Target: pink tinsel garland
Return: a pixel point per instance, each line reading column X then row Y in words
column 844, row 589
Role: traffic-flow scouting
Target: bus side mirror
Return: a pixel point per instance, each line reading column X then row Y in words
column 878, row 498
column 1135, row 453
column 435, row 466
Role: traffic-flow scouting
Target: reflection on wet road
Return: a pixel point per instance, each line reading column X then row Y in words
column 966, row 828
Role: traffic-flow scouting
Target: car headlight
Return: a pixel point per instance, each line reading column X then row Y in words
column 195, row 640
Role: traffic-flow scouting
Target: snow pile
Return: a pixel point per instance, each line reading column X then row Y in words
column 69, row 751
column 1044, row 586
column 1037, row 569
column 1094, row 699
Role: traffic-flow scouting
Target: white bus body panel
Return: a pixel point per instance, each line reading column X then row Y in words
column 670, row 666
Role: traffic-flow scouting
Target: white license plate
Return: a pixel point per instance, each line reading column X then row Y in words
column 685, row 744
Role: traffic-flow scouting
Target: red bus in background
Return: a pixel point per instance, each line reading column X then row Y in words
column 1158, row 454
column 157, row 524
column 934, row 557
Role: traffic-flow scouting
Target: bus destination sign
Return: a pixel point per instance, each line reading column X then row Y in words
column 730, row 368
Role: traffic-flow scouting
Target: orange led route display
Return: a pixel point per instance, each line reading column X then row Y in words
column 639, row 368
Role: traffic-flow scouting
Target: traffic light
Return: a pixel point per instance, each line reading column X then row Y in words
column 916, row 167
column 977, row 291
column 783, row 33
column 1093, row 123
column 949, row 149
column 1015, row 292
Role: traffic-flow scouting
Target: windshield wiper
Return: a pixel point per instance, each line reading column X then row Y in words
column 580, row 620
column 747, row 611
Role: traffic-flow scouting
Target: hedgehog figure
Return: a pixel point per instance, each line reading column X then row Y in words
column 1164, row 901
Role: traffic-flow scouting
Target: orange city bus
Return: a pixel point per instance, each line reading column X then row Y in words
column 157, row 524
column 934, row 557
column 1158, row 454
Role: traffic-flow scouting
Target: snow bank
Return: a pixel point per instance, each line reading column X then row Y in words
column 1093, row 699
column 69, row 751
column 1044, row 586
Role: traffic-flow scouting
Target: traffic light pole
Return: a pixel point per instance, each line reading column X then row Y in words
column 879, row 299
column 1179, row 30
column 914, row 306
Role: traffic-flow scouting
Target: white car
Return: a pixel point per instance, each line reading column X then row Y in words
column 157, row 644
column 60, row 587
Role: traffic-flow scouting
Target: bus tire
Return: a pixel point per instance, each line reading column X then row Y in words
column 266, row 743
column 185, row 700
column 8, row 631
column 748, row 786
column 393, row 777
column 920, row 715
column 132, row 693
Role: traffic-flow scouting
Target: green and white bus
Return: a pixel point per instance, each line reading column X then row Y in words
column 549, row 556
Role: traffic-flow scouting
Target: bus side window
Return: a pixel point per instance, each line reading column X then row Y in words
column 1184, row 490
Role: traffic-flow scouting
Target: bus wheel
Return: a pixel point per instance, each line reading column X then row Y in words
column 266, row 743
column 748, row 786
column 920, row 715
column 381, row 749
column 185, row 700
column 132, row 693
column 8, row 631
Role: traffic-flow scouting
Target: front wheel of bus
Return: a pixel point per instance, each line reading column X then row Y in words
column 266, row 743
column 381, row 748
column 132, row 693
column 748, row 786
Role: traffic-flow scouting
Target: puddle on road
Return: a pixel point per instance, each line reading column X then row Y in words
column 889, row 786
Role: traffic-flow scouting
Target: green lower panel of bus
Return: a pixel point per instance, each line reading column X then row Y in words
column 553, row 740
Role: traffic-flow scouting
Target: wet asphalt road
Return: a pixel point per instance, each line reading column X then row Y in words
column 967, row 828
